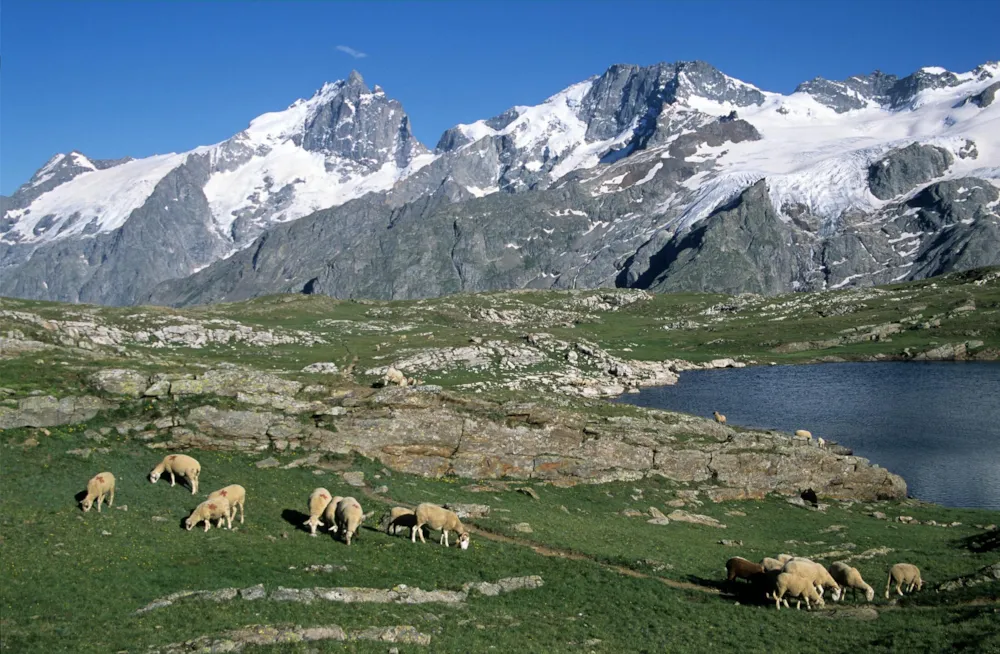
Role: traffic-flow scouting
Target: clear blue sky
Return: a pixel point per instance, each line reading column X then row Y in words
column 137, row 78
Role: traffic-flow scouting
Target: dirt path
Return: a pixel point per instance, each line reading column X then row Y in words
column 544, row 550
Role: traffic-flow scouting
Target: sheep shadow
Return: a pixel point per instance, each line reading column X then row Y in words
column 744, row 591
column 79, row 497
column 296, row 519
column 980, row 543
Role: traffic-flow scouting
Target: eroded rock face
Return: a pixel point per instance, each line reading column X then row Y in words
column 47, row 411
column 427, row 432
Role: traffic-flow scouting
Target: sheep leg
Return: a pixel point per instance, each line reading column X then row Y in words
column 100, row 498
column 777, row 601
column 208, row 524
column 229, row 522
column 899, row 588
column 444, row 534
column 241, row 513
column 171, row 478
column 111, row 500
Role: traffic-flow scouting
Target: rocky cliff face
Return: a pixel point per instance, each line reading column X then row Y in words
column 667, row 177
column 425, row 431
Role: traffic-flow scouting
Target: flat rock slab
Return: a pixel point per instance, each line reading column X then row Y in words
column 262, row 635
column 401, row 594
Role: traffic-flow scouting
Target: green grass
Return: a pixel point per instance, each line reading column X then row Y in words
column 68, row 587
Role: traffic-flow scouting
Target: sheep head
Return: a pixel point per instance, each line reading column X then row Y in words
column 463, row 540
column 86, row 504
column 154, row 477
column 869, row 593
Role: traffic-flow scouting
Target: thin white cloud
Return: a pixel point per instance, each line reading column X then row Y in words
column 357, row 54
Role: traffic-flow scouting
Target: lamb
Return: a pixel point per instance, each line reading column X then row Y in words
column 400, row 516
column 236, row 495
column 849, row 577
column 719, row 418
column 348, row 518
column 100, row 485
column 178, row 464
column 319, row 499
column 793, row 585
column 738, row 567
column 437, row 517
column 216, row 508
column 904, row 574
column 813, row 572
column 771, row 565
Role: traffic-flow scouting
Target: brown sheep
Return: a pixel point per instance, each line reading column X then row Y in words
column 719, row 418
column 740, row 568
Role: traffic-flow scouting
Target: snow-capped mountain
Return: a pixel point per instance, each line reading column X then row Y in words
column 668, row 176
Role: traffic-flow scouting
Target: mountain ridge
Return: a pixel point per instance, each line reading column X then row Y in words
column 685, row 137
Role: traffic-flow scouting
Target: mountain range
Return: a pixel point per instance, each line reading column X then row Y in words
column 670, row 177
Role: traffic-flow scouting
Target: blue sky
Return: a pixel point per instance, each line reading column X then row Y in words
column 139, row 78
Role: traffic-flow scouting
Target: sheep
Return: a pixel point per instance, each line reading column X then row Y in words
column 719, row 418
column 437, row 517
column 803, row 434
column 236, row 495
column 348, row 518
column 102, row 484
column 178, row 464
column 904, row 574
column 820, row 442
column 812, row 571
column 771, row 565
column 215, row 508
column 400, row 516
column 394, row 377
column 849, row 577
column 738, row 567
column 793, row 585
column 784, row 558
column 330, row 514
column 319, row 499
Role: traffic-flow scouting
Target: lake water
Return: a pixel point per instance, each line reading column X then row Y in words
column 937, row 424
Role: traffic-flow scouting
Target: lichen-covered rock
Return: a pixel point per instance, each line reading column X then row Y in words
column 120, row 381
column 48, row 411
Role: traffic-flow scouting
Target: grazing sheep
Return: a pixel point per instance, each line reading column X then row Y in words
column 793, row 585
column 784, row 558
column 803, row 434
column 771, row 565
column 437, row 517
column 738, row 567
column 319, row 499
column 719, row 418
column 330, row 514
column 100, row 485
column 216, row 508
column 179, row 465
column 849, row 577
column 394, row 377
column 904, row 574
column 400, row 516
column 348, row 518
column 236, row 495
column 820, row 442
column 813, row 572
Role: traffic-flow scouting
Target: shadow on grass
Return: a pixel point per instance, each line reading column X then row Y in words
column 981, row 543
column 296, row 519
column 740, row 590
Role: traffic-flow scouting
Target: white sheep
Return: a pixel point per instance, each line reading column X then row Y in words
column 904, row 574
column 180, row 465
column 319, row 499
column 400, row 516
column 100, row 485
column 437, row 517
column 784, row 558
column 849, row 577
column 771, row 565
column 812, row 571
column 793, row 585
column 236, row 495
column 348, row 518
column 216, row 508
column 719, row 418
column 803, row 434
